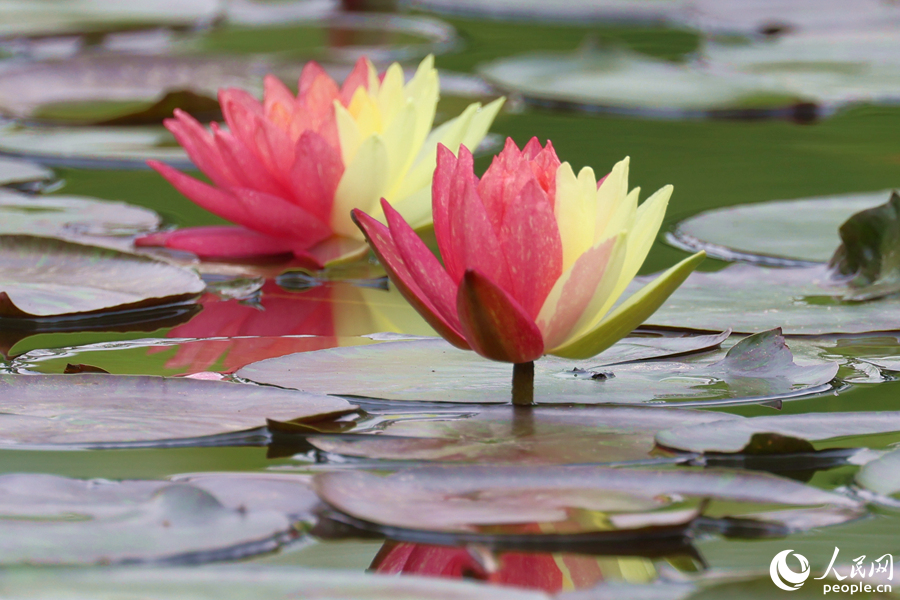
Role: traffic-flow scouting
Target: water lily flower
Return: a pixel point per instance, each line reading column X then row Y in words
column 289, row 169
column 534, row 256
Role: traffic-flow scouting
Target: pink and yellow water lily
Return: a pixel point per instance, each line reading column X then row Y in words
column 288, row 170
column 534, row 256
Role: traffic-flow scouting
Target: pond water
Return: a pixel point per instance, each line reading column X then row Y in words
column 770, row 143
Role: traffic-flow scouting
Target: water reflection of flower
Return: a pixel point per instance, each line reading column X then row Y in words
column 270, row 326
column 289, row 169
column 550, row 572
column 534, row 257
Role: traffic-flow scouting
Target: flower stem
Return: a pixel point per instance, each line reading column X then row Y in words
column 523, row 384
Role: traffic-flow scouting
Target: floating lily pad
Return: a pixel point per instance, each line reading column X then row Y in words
column 95, row 147
column 782, row 232
column 881, row 474
column 482, row 499
column 96, row 410
column 16, row 171
column 526, row 436
column 50, row 520
column 286, row 493
column 46, row 277
column 751, row 298
column 75, row 218
column 577, row 11
column 245, row 582
column 121, row 88
column 42, row 17
column 617, row 81
column 776, row 434
column 756, row 369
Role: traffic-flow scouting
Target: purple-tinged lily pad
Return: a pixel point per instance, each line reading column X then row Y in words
column 75, row 218
column 777, row 233
column 245, row 582
column 95, row 410
column 499, row 499
column 51, row 520
column 551, row 435
column 775, row 434
column 17, row 171
column 46, row 277
column 755, row 369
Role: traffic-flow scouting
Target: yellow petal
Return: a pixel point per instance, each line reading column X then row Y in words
column 647, row 221
column 348, row 132
column 575, row 208
column 611, row 193
column 631, row 313
column 424, row 90
column 623, row 215
column 416, row 208
column 366, row 113
column 400, row 152
column 361, row 186
column 480, row 124
column 391, row 97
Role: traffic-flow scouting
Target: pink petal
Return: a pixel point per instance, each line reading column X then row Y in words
column 531, row 243
column 502, row 182
column 244, row 165
column 358, row 77
column 218, row 241
column 278, row 102
column 315, row 174
column 245, row 121
column 446, row 186
column 311, row 71
column 544, row 167
column 200, row 147
column 474, row 241
column 204, row 195
column 424, row 267
column 277, row 217
column 532, row 148
column 495, row 325
column 584, row 277
column 379, row 238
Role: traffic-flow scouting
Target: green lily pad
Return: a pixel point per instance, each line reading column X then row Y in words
column 775, row 434
column 96, row 410
column 17, row 171
column 573, row 11
column 781, row 232
column 616, row 81
column 125, row 89
column 75, row 218
column 95, row 147
column 756, row 369
column 51, row 520
column 42, row 17
column 881, row 475
column 484, row 499
column 527, row 436
column 46, row 277
column 245, row 582
column 751, row 298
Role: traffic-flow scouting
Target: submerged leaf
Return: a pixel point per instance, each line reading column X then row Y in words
column 46, row 277
column 755, row 370
column 94, row 410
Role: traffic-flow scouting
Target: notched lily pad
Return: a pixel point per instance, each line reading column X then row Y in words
column 75, row 218
column 756, row 369
column 777, row 233
column 46, row 277
column 489, row 502
column 527, row 436
column 51, row 520
column 96, row 410
column 776, row 434
column 245, row 582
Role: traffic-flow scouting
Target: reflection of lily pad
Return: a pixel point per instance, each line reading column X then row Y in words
column 530, row 436
column 756, row 369
column 110, row 87
column 75, row 218
column 40, row 17
column 44, row 277
column 246, row 582
column 775, row 233
column 624, row 82
column 95, row 147
column 468, row 499
column 97, row 410
column 14, row 171
column 50, row 520
column 764, row 435
column 750, row 298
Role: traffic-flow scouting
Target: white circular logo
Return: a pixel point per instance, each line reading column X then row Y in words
column 783, row 576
